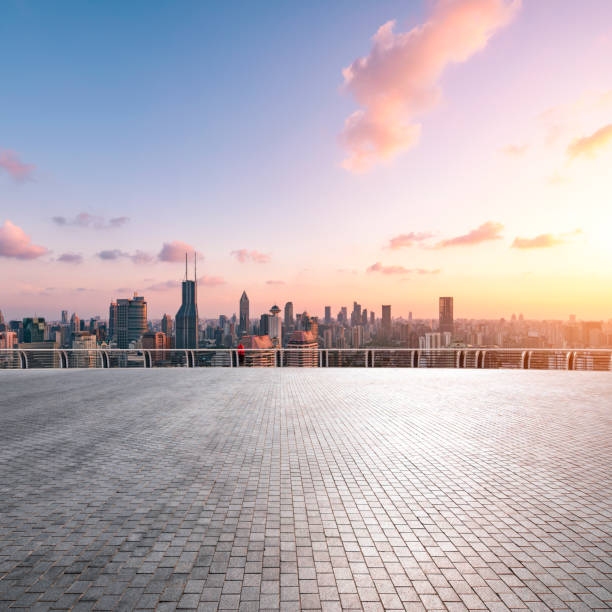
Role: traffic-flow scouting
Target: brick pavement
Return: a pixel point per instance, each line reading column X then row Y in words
column 305, row 489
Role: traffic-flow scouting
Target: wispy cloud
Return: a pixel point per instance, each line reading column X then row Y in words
column 175, row 251
column 275, row 282
column 211, row 281
column 544, row 241
column 91, row 221
column 408, row 240
column 10, row 162
column 399, row 79
column 137, row 257
column 16, row 244
column 590, row 146
column 71, row 258
column 514, row 150
column 487, row 231
column 390, row 270
column 244, row 255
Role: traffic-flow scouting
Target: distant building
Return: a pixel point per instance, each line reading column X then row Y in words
column 289, row 322
column 304, row 351
column 259, row 357
column 446, row 315
column 156, row 342
column 166, row 325
column 64, row 317
column 33, row 329
column 386, row 322
column 327, row 315
column 244, row 327
column 275, row 326
column 128, row 320
column 186, row 320
column 8, row 339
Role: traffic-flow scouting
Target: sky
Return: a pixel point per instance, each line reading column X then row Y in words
column 386, row 152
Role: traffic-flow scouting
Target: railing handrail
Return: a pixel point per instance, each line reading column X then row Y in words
column 297, row 348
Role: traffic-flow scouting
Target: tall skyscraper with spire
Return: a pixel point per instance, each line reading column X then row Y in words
column 187, row 322
column 244, row 315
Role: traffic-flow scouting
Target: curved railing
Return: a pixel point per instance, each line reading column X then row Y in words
column 479, row 358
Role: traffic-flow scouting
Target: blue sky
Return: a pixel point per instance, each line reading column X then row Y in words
column 218, row 126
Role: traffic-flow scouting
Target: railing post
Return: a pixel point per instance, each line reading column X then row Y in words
column 372, row 358
column 23, row 360
column 105, row 359
column 529, row 353
column 484, row 356
column 366, row 358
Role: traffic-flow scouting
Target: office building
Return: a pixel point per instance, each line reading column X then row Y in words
column 245, row 325
column 127, row 320
column 33, row 329
column 186, row 321
column 305, row 350
column 289, row 322
column 386, row 322
column 275, row 326
column 8, row 339
column 446, row 315
column 327, row 315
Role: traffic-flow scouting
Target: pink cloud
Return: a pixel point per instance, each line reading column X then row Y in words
column 275, row 282
column 211, row 281
column 398, row 80
column 163, row 286
column 544, row 241
column 244, row 255
column 175, row 251
column 15, row 243
column 589, row 146
column 378, row 267
column 9, row 161
column 71, row 258
column 407, row 240
column 487, row 231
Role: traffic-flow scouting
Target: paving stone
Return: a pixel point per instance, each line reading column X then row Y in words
column 286, row 489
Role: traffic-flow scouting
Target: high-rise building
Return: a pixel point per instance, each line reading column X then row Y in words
column 166, row 325
column 275, row 326
column 64, row 317
column 327, row 315
column 305, row 350
column 127, row 320
column 186, row 320
column 446, row 315
column 386, row 321
column 33, row 329
column 245, row 324
column 289, row 322
column 264, row 324
column 8, row 339
column 356, row 314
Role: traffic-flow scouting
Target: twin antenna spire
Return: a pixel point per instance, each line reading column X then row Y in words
column 195, row 272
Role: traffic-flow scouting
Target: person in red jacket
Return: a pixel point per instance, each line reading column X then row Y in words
column 241, row 354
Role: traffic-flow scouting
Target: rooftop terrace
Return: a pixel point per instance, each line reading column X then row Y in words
column 298, row 489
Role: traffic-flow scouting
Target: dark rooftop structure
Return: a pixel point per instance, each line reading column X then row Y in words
column 322, row 489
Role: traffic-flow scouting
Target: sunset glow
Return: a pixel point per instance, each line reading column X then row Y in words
column 385, row 152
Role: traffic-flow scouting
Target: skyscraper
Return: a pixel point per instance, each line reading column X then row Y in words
column 327, row 315
column 289, row 315
column 386, row 321
column 186, row 321
column 64, row 317
column 127, row 320
column 33, row 329
column 446, row 314
column 275, row 326
column 167, row 328
column 245, row 325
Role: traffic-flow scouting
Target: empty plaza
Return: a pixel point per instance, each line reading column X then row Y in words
column 267, row 489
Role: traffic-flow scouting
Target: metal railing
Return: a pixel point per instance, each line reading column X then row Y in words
column 479, row 358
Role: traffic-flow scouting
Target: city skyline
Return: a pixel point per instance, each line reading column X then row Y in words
column 397, row 202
